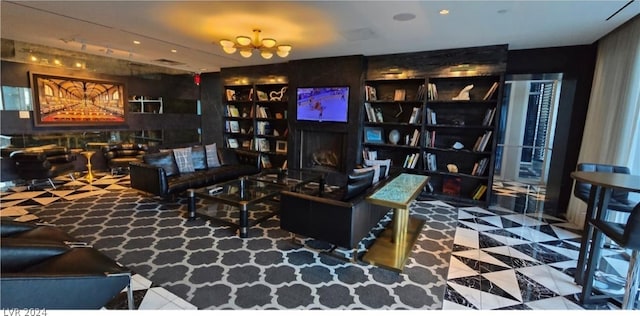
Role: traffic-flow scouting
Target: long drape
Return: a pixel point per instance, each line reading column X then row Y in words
column 612, row 128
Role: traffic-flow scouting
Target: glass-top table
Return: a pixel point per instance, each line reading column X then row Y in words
column 292, row 179
column 242, row 195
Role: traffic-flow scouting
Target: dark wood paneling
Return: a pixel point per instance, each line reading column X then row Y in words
column 212, row 108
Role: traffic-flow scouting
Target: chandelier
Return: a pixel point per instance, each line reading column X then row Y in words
column 246, row 46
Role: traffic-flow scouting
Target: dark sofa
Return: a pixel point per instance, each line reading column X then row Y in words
column 342, row 218
column 159, row 174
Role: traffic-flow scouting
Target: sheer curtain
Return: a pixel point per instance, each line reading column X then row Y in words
column 612, row 128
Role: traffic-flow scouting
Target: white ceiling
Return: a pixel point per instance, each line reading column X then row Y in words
column 314, row 28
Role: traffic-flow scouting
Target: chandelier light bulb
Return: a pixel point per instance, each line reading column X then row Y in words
column 243, row 40
column 268, row 42
column 246, row 53
column 246, row 45
column 229, row 50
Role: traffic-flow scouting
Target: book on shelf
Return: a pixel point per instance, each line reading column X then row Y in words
column 369, row 154
column 415, row 138
column 371, row 115
column 265, row 161
column 232, row 142
column 432, row 92
column 410, row 161
column 488, row 117
column 262, row 144
column 479, row 192
column 234, row 126
column 232, row 111
column 491, row 91
column 370, row 93
column 415, row 116
column 431, row 117
column 420, row 94
column 430, row 161
column 482, row 141
column 399, row 95
column 479, row 167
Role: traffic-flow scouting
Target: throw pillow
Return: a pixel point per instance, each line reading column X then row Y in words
column 198, row 157
column 376, row 173
column 212, row 155
column 385, row 162
column 183, row 159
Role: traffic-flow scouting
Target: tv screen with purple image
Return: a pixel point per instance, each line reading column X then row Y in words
column 323, row 104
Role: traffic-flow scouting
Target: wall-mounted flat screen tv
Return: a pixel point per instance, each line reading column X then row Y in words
column 323, row 104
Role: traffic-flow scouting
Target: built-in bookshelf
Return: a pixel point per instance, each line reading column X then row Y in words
column 458, row 137
column 256, row 119
column 393, row 121
column 439, row 126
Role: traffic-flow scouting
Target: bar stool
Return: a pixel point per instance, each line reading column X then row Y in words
column 626, row 236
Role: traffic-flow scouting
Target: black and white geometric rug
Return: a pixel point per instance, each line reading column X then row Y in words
column 208, row 265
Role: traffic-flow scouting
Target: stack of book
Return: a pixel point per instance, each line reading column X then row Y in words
column 411, row 160
column 480, row 167
column 482, row 141
column 479, row 192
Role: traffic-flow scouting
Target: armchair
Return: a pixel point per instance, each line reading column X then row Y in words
column 13, row 229
column 48, row 274
column 43, row 162
column 119, row 156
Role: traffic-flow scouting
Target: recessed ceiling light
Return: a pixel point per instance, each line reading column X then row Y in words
column 502, row 11
column 174, row 51
column 444, row 12
column 136, row 42
column 404, row 17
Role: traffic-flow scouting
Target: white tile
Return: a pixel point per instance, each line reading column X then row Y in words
column 139, row 282
column 448, row 305
column 457, row 269
column 507, row 240
column 153, row 300
column 182, row 304
column 488, row 258
column 164, row 293
column 507, row 281
column 466, row 237
column 553, row 303
column 471, row 295
column 492, row 301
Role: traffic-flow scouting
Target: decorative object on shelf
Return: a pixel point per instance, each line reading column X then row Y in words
column 277, row 96
column 262, row 96
column 452, row 168
column 464, row 94
column 246, row 46
column 458, row 122
column 399, row 111
column 373, row 135
column 281, row 146
column 394, row 136
column 457, row 145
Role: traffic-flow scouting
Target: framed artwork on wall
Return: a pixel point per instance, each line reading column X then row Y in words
column 69, row 101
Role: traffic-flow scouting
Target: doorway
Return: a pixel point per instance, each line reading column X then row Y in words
column 526, row 128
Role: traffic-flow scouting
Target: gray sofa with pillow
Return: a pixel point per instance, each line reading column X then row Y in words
column 171, row 172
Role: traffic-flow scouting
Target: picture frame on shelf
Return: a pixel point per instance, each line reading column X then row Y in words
column 373, row 135
column 281, row 146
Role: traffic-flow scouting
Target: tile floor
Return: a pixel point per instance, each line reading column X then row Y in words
column 510, row 256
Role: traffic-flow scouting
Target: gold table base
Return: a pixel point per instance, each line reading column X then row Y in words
column 391, row 250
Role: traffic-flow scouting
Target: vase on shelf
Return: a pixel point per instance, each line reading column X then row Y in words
column 394, row 136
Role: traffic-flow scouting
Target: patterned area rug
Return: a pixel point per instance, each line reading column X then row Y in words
column 208, row 265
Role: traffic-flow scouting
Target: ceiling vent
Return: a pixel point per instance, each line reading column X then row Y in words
column 169, row 62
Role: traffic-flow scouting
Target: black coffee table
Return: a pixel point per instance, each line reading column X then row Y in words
column 242, row 193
